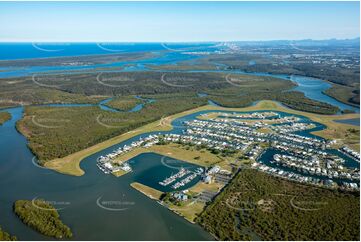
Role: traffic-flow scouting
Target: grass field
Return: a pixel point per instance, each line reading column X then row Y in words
column 148, row 191
column 70, row 164
column 190, row 154
column 191, row 209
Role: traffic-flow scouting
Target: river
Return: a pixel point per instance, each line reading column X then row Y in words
column 313, row 88
column 79, row 197
column 103, row 105
column 87, row 202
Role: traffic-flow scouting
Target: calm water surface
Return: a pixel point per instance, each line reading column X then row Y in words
column 352, row 121
column 136, row 217
column 141, row 219
column 169, row 54
column 103, row 105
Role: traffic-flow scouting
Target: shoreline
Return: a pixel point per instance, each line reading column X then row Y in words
column 337, row 131
column 194, row 208
column 177, row 151
column 68, row 56
column 142, row 189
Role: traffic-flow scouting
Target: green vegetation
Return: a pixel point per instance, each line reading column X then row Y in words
column 256, row 204
column 167, row 198
column 68, row 137
column 80, row 60
column 25, row 92
column 236, row 90
column 70, row 87
column 189, row 153
column 292, row 99
column 344, row 94
column 43, row 217
column 124, row 103
column 345, row 76
column 60, row 131
column 4, row 236
column 108, row 84
column 4, row 116
column 153, row 83
column 189, row 210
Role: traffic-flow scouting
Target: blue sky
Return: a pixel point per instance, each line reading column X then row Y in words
column 176, row 21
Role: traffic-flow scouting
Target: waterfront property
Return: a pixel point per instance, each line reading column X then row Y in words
column 71, row 163
column 94, row 184
column 298, row 155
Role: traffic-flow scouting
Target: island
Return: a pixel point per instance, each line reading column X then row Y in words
column 228, row 143
column 42, row 217
column 242, row 145
column 4, row 116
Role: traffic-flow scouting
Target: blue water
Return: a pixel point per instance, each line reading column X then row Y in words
column 156, row 174
column 142, row 219
column 164, row 54
column 169, row 54
column 267, row 156
column 353, row 121
column 18, row 173
column 12, row 51
column 138, row 107
column 202, row 94
column 131, row 65
column 252, row 62
column 313, row 89
column 212, row 103
column 103, row 105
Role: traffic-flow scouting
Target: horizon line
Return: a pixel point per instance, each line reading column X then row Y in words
column 201, row 41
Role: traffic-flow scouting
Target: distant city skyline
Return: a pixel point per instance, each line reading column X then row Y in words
column 177, row 21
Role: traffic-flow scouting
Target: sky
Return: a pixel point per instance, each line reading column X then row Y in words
column 176, row 21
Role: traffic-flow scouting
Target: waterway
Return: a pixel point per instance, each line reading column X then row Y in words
column 103, row 105
column 267, row 157
column 16, row 51
column 313, row 88
column 96, row 206
column 132, row 216
column 352, row 121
